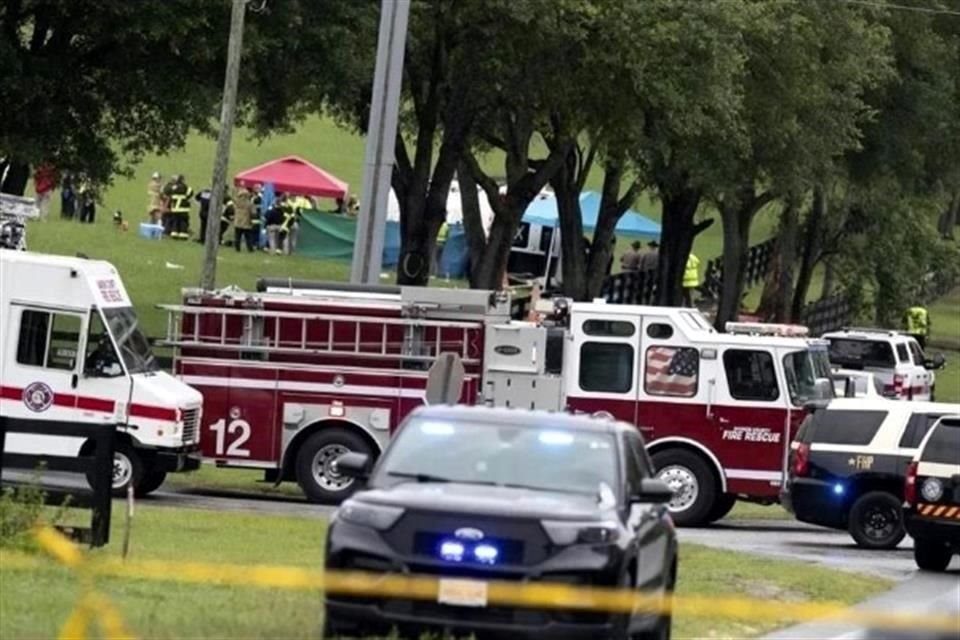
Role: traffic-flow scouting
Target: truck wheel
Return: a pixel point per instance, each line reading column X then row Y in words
column 694, row 487
column 931, row 555
column 876, row 521
column 150, row 482
column 723, row 505
column 128, row 469
column 314, row 464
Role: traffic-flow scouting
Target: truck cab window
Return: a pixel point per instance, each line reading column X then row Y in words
column 49, row 340
column 606, row 367
column 751, row 375
column 101, row 359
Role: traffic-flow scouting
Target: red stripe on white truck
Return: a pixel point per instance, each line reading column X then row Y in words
column 99, row 405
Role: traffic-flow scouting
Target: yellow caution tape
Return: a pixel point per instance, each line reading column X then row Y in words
column 540, row 595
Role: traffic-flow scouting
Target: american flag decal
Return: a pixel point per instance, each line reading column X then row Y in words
column 672, row 371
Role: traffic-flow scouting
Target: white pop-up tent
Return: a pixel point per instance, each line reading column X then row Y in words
column 454, row 207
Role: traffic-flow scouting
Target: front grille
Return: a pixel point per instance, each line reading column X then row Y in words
column 465, row 615
column 521, row 541
column 191, row 424
column 427, row 543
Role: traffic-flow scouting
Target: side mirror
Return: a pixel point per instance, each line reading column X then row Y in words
column 653, row 491
column 936, row 362
column 353, row 465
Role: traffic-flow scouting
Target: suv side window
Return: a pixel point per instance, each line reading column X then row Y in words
column 917, row 352
column 902, row 354
column 917, row 428
column 751, row 375
column 844, row 427
column 634, row 472
column 943, row 447
column 640, row 453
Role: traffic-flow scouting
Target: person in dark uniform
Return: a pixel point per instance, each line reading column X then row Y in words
column 203, row 199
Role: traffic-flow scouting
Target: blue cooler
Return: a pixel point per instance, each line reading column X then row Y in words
column 151, row 231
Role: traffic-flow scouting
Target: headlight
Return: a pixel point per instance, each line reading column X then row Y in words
column 375, row 516
column 932, row 489
column 566, row 533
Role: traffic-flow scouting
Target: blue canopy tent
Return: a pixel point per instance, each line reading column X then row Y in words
column 543, row 211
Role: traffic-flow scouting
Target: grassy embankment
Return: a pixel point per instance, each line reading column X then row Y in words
column 34, row 603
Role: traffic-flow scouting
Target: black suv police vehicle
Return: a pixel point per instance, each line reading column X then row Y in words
column 469, row 495
column 849, row 461
column 932, row 497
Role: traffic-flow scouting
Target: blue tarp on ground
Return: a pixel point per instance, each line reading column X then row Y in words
column 391, row 244
column 543, row 211
column 453, row 260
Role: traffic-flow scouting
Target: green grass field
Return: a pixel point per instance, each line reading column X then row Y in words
column 34, row 603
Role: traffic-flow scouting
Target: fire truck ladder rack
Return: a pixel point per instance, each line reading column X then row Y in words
column 414, row 347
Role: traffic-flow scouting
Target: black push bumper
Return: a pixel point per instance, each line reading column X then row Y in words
column 172, row 461
column 816, row 502
column 932, row 529
column 412, row 617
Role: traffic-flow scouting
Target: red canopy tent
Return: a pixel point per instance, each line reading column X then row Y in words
column 293, row 175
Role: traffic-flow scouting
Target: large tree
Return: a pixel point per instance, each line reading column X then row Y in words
column 809, row 67
column 89, row 85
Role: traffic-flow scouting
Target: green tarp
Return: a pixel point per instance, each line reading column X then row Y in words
column 326, row 235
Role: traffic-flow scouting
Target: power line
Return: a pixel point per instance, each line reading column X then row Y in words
column 903, row 7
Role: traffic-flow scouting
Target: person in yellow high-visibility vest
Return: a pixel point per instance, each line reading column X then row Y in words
column 916, row 322
column 691, row 279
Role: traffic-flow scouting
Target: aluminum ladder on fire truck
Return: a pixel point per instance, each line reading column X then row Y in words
column 417, row 346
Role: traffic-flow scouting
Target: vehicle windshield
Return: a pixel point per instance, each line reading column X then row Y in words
column 853, row 353
column 134, row 347
column 496, row 454
column 943, row 446
column 808, row 376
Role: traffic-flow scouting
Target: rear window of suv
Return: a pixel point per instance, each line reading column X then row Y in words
column 856, row 354
column 943, row 447
column 843, row 427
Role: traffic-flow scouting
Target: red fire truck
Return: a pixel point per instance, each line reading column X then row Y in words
column 297, row 374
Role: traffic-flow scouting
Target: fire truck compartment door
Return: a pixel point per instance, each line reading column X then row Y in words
column 250, row 429
column 603, row 373
column 750, row 415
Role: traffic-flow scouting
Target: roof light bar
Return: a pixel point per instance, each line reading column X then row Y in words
column 767, row 329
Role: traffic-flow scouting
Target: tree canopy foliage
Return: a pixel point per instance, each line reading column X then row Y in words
column 843, row 116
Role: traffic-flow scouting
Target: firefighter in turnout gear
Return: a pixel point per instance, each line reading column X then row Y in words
column 916, row 322
column 179, row 194
column 291, row 209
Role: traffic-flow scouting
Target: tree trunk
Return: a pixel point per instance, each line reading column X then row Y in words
column 678, row 232
column 948, row 221
column 789, row 229
column 489, row 272
column 472, row 219
column 810, row 255
column 736, row 244
column 573, row 262
column 14, row 176
column 829, row 278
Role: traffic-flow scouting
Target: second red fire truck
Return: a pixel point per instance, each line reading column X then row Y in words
column 296, row 374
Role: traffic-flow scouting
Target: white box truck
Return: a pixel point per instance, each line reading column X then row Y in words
column 71, row 350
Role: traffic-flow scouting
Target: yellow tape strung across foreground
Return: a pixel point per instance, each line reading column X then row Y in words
column 532, row 595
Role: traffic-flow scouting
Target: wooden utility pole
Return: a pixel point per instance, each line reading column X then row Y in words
column 228, row 112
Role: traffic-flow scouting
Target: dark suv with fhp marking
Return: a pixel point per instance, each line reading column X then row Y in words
column 932, row 497
column 848, row 463
column 470, row 495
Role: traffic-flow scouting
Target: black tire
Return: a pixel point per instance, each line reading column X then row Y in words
column 150, row 482
column 722, row 506
column 931, row 555
column 128, row 468
column 876, row 521
column 679, row 466
column 321, row 449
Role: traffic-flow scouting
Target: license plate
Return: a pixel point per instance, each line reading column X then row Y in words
column 462, row 593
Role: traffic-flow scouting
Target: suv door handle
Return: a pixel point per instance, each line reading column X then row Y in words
column 73, row 381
